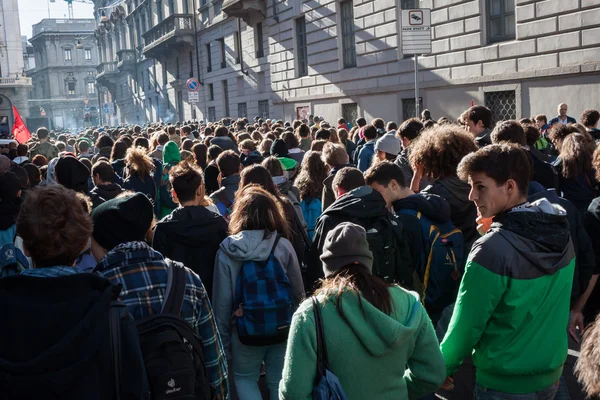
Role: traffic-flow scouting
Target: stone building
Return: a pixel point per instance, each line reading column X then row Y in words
column 14, row 87
column 290, row 58
column 64, row 77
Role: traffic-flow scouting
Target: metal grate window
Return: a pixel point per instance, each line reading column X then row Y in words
column 263, row 109
column 408, row 4
column 500, row 20
column 211, row 92
column 503, row 105
column 350, row 112
column 348, row 36
column 260, row 46
column 408, row 108
column 242, row 110
column 212, row 114
column 302, row 52
column 223, row 53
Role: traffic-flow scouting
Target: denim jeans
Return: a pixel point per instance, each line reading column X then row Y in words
column 247, row 361
column 482, row 393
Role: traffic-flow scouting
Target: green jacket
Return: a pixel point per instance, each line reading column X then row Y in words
column 512, row 309
column 46, row 149
column 374, row 355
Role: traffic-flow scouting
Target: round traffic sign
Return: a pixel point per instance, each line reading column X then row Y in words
column 192, row 84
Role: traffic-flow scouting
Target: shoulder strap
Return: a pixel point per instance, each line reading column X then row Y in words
column 322, row 359
column 300, row 227
column 222, row 196
column 275, row 244
column 176, row 281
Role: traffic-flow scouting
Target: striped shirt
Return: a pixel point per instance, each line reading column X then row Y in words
column 142, row 272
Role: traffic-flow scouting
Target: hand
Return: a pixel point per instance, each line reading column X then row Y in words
column 448, row 384
column 483, row 225
column 416, row 179
column 577, row 325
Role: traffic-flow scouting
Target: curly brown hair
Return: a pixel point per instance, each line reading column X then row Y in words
column 313, row 172
column 440, row 149
column 587, row 368
column 139, row 163
column 558, row 132
column 576, row 156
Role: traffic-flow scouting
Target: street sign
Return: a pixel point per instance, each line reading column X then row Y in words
column 416, row 31
column 192, row 84
column 108, row 108
column 86, row 108
column 193, row 97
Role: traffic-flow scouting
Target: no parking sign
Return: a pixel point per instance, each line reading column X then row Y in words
column 192, row 84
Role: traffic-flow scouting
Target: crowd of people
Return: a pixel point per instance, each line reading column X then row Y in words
column 350, row 260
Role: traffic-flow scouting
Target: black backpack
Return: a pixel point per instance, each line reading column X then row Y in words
column 172, row 352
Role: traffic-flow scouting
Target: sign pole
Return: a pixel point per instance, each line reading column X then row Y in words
column 417, row 111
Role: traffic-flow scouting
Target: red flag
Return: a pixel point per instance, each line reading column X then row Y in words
column 20, row 131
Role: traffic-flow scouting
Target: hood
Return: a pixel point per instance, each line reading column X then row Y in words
column 171, row 153
column 378, row 332
column 249, row 245
column 432, row 206
column 363, row 202
column 8, row 214
column 50, row 172
column 108, row 192
column 283, row 184
column 484, row 138
column 72, row 174
column 191, row 226
column 539, row 232
column 595, row 132
column 458, row 188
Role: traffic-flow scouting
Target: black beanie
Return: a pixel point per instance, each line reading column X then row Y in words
column 72, row 174
column 279, row 148
column 122, row 220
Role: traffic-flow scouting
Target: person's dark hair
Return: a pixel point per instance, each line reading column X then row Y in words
column 39, row 160
column 273, row 165
column 185, row 179
column 222, row 131
column 589, row 118
column 141, row 142
column 576, row 156
column 187, row 144
column 119, row 150
column 61, row 146
column 187, row 130
column 162, row 138
column 83, row 146
column 228, row 163
column 127, row 139
column 200, row 152
column 22, row 174
column 410, row 129
column 171, row 130
column 383, row 173
column 439, row 150
column 139, row 163
column 426, row 115
column 559, row 132
column 313, row 172
column 348, row 178
column 87, row 162
column 361, row 122
column 137, row 129
column 540, row 118
column 429, row 124
column 532, row 134
column 478, row 113
column 53, row 225
column 104, row 170
column 35, row 176
column 214, row 151
column 523, row 121
column 247, row 144
column 509, row 131
column 290, row 140
column 370, row 132
column 323, row 134
column 318, row 145
column 42, row 133
column 22, row 149
column 391, row 126
column 256, row 209
column 378, row 123
column 104, row 141
column 303, row 131
column 500, row 162
column 334, row 154
column 256, row 174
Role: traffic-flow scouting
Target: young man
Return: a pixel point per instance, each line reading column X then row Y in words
column 44, row 147
column 118, row 244
column 104, row 189
column 22, row 151
column 478, row 120
column 562, row 117
column 336, row 158
column 191, row 234
column 83, row 147
column 408, row 132
column 513, row 302
column 222, row 139
column 229, row 165
column 589, row 119
column 367, row 151
column 162, row 139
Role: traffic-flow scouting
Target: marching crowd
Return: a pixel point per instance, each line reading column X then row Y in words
column 351, row 260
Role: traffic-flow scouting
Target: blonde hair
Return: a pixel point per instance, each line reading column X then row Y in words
column 138, row 162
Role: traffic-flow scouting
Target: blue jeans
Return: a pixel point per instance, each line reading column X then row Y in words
column 482, row 393
column 247, row 361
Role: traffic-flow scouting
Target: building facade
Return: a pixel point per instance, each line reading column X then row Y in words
column 291, row 58
column 28, row 56
column 64, row 78
column 14, row 86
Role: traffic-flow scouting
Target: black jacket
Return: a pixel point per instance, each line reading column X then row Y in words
column 211, row 173
column 59, row 343
column 225, row 143
column 543, row 172
column 484, row 138
column 579, row 190
column 102, row 193
column 591, row 221
column 192, row 235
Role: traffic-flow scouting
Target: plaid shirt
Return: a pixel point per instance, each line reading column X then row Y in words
column 143, row 274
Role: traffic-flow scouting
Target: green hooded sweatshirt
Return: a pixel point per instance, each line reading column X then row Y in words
column 171, row 157
column 374, row 355
column 512, row 308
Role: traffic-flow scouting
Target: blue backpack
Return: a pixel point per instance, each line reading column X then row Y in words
column 311, row 210
column 265, row 304
column 12, row 259
column 440, row 264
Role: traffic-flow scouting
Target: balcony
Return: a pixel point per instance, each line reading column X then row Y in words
column 170, row 35
column 107, row 73
column 20, row 82
column 251, row 11
column 127, row 60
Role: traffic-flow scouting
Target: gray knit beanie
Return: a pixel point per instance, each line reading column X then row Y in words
column 345, row 245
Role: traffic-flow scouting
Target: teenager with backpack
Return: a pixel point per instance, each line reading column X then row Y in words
column 120, row 227
column 310, row 185
column 379, row 341
column 513, row 302
column 75, row 357
column 336, row 158
column 257, row 287
column 229, row 165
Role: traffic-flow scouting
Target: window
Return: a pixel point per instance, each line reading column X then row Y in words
column 193, row 108
column 408, row 108
column 159, row 10
column 500, row 20
column 261, row 82
column 242, row 110
column 348, row 38
column 263, row 109
column 91, row 73
column 191, row 65
column 88, row 54
column 408, row 4
column 177, row 67
column 240, row 85
column 211, row 92
column 503, row 105
column 71, row 88
column 238, row 45
column 154, row 76
column 212, row 114
column 69, row 74
column 164, row 74
column 91, row 88
column 208, row 58
column 260, row 45
column 350, row 112
column 143, row 19
column 186, row 7
column 301, row 52
column 217, row 5
column 171, row 7
column 223, row 54
column 225, row 86
column 68, row 55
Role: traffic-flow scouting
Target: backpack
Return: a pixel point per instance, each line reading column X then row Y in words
column 173, row 354
column 441, row 262
column 264, row 295
column 311, row 210
column 227, row 204
column 12, row 259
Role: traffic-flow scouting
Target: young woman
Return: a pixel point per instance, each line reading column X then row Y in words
column 117, row 158
column 211, row 172
column 380, row 341
column 256, row 222
column 309, row 182
column 200, row 152
column 139, row 170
